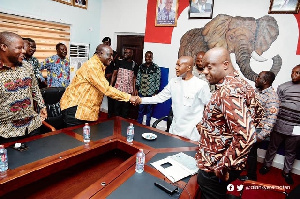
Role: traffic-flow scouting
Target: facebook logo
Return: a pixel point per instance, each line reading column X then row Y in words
column 230, row 187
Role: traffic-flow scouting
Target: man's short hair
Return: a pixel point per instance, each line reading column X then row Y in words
column 150, row 52
column 106, row 39
column 28, row 39
column 269, row 77
column 58, row 45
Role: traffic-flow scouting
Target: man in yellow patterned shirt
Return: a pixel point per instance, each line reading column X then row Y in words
column 83, row 97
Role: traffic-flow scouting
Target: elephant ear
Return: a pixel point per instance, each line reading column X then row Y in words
column 191, row 43
column 267, row 32
column 214, row 32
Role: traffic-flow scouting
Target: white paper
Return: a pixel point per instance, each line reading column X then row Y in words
column 296, row 130
column 177, row 170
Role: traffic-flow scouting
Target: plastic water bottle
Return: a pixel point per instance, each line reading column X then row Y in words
column 130, row 133
column 86, row 133
column 3, row 159
column 140, row 161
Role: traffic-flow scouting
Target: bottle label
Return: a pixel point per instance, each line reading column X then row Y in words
column 3, row 157
column 86, row 134
column 139, row 160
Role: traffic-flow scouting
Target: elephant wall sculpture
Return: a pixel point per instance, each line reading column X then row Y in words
column 243, row 36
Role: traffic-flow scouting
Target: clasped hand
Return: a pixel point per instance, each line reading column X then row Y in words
column 135, row 100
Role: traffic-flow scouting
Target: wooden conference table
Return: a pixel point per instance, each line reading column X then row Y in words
column 60, row 165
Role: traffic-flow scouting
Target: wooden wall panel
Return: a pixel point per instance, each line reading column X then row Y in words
column 46, row 34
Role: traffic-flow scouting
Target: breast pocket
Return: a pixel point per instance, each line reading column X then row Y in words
column 188, row 100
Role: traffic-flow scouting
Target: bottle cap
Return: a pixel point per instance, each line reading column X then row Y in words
column 131, row 124
column 1, row 146
column 86, row 124
column 141, row 150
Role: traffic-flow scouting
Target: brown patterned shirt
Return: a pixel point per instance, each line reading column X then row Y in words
column 227, row 129
column 18, row 89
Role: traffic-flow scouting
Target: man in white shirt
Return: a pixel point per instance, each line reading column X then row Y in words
column 189, row 95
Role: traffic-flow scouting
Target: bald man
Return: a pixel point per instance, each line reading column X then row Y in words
column 227, row 129
column 83, row 97
column 189, row 95
column 19, row 88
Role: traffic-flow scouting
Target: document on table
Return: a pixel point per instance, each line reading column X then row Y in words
column 296, row 130
column 177, row 167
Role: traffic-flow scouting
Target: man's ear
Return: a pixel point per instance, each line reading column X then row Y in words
column 225, row 64
column 3, row 47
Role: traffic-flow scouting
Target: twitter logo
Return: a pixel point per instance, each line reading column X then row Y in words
column 240, row 187
column 230, row 187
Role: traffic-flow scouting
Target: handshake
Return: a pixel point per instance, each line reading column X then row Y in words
column 135, row 100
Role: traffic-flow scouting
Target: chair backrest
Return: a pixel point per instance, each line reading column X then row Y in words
column 52, row 96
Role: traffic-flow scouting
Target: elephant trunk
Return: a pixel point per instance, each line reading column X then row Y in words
column 277, row 63
column 243, row 60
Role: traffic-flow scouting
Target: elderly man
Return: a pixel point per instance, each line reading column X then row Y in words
column 189, row 95
column 268, row 98
column 19, row 88
column 227, row 129
column 82, row 99
column 287, row 128
column 166, row 15
column 58, row 67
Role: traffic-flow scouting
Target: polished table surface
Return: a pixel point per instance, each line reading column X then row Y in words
column 52, row 152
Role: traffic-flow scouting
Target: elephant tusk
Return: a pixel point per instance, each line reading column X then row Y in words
column 257, row 57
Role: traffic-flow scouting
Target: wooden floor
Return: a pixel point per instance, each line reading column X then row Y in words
column 61, row 185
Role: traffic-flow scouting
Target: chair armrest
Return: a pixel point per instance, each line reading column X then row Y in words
column 158, row 121
column 49, row 126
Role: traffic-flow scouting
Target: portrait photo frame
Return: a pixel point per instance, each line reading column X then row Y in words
column 201, row 9
column 284, row 7
column 80, row 3
column 68, row 2
column 166, row 13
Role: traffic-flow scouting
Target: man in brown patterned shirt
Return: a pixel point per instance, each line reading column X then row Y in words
column 18, row 89
column 227, row 129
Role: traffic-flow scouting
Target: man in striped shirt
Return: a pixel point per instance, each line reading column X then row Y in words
column 83, row 97
column 268, row 98
column 285, row 129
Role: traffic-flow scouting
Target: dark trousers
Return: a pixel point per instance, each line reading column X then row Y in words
column 145, row 109
column 213, row 188
column 252, row 162
column 69, row 117
column 121, row 109
column 14, row 139
column 291, row 143
column 110, row 107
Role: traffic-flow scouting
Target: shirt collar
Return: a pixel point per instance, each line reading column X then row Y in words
column 226, row 79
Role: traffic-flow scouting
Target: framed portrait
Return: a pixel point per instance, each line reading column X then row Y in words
column 68, row 2
column 166, row 13
column 81, row 3
column 284, row 7
column 201, row 9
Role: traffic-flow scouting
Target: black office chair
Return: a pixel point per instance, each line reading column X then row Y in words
column 52, row 96
column 169, row 119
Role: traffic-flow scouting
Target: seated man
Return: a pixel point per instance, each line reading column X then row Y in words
column 83, row 97
column 19, row 88
column 189, row 95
